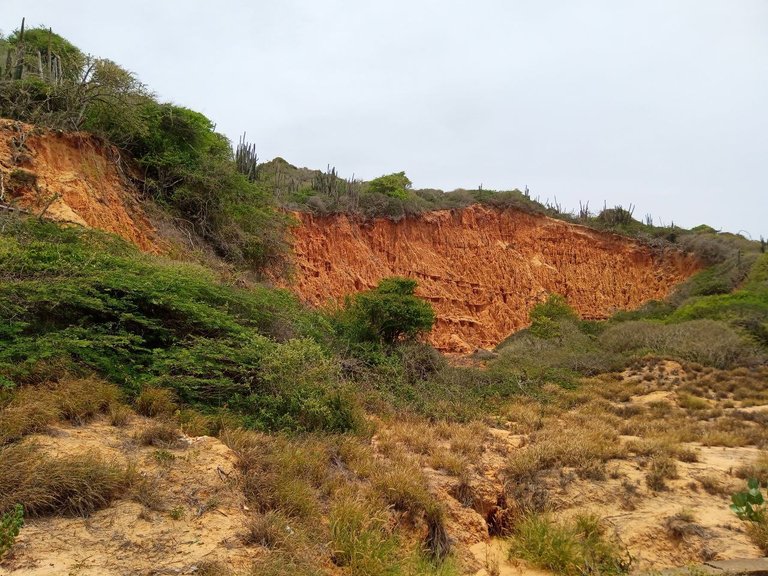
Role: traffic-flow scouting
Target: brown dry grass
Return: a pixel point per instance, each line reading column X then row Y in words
column 156, row 402
column 69, row 485
column 160, row 433
column 757, row 469
column 591, row 442
column 33, row 408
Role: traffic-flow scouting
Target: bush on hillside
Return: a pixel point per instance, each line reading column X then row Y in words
column 546, row 316
column 78, row 301
column 707, row 342
column 394, row 185
column 388, row 314
column 188, row 166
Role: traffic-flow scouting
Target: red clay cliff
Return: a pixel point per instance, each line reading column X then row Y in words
column 482, row 268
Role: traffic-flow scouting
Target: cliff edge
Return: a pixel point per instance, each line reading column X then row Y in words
column 482, row 269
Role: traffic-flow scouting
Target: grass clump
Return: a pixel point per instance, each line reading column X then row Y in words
column 402, row 486
column 153, row 402
column 279, row 474
column 162, row 434
column 66, row 485
column 580, row 546
column 81, row 399
column 31, row 409
column 757, row 469
column 662, row 468
column 270, row 530
column 361, row 539
column 27, row 412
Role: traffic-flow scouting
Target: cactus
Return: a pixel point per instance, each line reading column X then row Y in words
column 246, row 158
column 19, row 74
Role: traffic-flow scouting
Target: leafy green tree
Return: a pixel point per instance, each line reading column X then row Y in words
column 394, row 185
column 389, row 313
column 546, row 316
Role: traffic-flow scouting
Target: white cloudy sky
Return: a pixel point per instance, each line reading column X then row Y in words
column 658, row 103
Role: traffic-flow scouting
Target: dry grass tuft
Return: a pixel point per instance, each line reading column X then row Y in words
column 448, row 462
column 68, row 485
column 661, row 469
column 757, row 469
column 682, row 526
column 80, row 400
column 758, row 533
column 712, row 485
column 161, row 434
column 438, row 543
column 154, row 402
column 463, row 491
column 28, row 412
column 146, row 490
column 591, row 443
column 32, row 408
column 403, row 487
column 280, row 474
column 120, row 415
column 212, row 568
column 269, row 530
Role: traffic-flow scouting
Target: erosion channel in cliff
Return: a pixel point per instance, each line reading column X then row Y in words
column 482, row 269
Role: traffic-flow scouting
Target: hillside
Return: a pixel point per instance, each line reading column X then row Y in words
column 482, row 268
column 214, row 366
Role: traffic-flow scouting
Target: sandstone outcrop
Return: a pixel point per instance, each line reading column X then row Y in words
column 482, row 269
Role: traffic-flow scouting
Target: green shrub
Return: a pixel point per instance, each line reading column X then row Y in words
column 393, row 185
column 170, row 330
column 706, row 342
column 749, row 504
column 546, row 316
column 10, row 525
column 387, row 314
column 574, row 548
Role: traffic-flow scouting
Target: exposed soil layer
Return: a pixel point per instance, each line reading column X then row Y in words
column 482, row 269
column 71, row 177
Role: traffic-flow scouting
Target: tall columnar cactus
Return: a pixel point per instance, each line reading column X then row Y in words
column 246, row 158
column 20, row 54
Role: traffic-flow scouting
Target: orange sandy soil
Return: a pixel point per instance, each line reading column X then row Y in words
column 483, row 269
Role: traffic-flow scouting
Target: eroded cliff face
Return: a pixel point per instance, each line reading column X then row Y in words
column 71, row 177
column 482, row 269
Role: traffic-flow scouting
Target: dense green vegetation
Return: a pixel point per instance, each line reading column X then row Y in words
column 80, row 301
column 386, row 315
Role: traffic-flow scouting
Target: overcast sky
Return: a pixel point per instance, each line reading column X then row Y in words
column 658, row 103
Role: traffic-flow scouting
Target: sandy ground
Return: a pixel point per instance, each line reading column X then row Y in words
column 199, row 513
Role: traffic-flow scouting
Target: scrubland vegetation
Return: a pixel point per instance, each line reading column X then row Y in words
column 347, row 428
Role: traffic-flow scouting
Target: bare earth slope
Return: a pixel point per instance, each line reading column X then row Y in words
column 482, row 269
column 71, row 177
